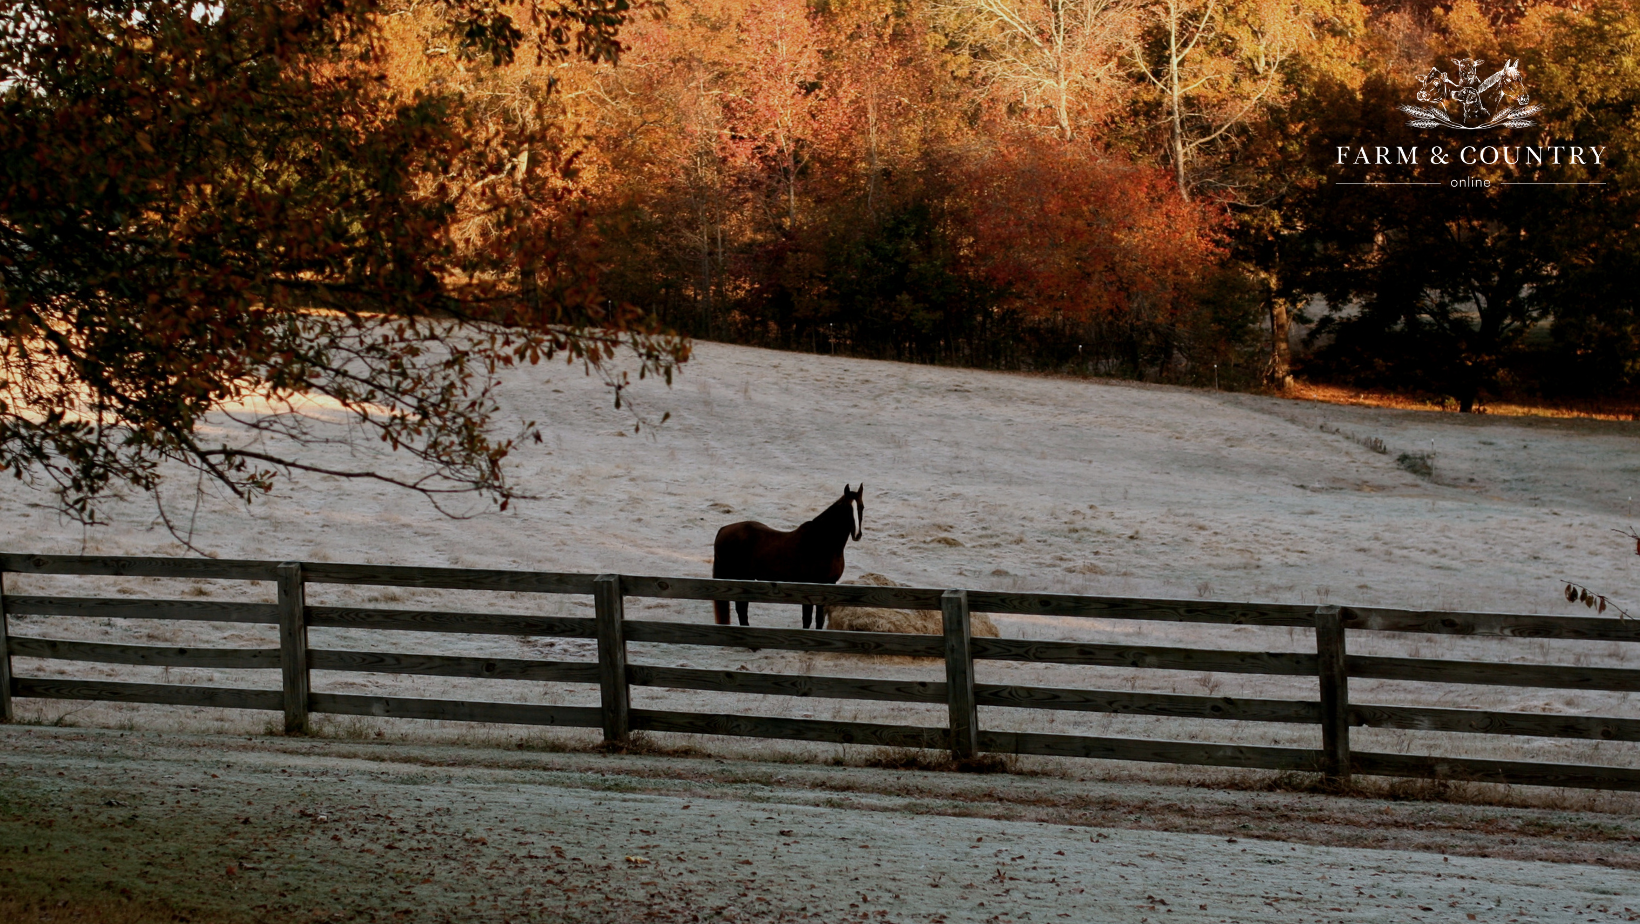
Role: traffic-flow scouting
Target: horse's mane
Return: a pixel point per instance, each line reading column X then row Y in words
column 840, row 515
column 840, row 509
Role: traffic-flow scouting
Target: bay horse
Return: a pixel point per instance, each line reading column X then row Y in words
column 810, row 554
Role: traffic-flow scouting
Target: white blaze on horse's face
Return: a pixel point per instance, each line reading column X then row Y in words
column 857, row 508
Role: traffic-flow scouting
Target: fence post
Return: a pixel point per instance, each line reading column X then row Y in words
column 5, row 658
column 615, row 694
column 1335, row 694
column 293, row 647
column 959, row 675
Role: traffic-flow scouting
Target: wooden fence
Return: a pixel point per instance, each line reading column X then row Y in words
column 964, row 735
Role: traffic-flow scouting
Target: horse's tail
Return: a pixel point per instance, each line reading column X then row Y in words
column 720, row 609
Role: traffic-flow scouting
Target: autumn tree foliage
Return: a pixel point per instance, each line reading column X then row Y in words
column 1104, row 249
column 381, row 204
column 783, row 109
column 1064, row 57
column 232, row 212
column 1516, row 287
column 852, row 176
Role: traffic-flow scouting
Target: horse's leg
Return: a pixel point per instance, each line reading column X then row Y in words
column 740, row 607
column 819, row 617
column 720, row 610
column 807, row 612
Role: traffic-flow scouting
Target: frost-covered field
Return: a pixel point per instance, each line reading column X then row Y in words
column 974, row 480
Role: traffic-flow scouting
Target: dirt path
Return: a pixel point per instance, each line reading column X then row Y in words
column 224, row 829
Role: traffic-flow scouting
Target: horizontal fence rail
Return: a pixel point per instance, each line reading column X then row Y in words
column 104, row 608
column 338, row 617
column 964, row 734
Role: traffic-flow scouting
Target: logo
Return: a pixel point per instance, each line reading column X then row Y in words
column 1470, row 103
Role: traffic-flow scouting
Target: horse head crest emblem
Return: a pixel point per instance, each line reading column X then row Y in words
column 1497, row 101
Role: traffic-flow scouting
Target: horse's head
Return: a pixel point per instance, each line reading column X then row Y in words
column 855, row 501
column 1514, row 84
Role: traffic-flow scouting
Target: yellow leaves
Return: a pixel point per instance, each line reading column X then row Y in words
column 1469, row 30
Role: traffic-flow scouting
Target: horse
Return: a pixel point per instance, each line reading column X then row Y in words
column 1510, row 85
column 810, row 554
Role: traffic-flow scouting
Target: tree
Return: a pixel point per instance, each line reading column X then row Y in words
column 1445, row 292
column 1589, row 79
column 1058, row 54
column 1274, row 167
column 1089, row 243
column 658, row 174
column 1211, row 65
column 207, row 208
column 781, row 108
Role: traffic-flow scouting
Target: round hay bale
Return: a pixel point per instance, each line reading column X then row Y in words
column 913, row 622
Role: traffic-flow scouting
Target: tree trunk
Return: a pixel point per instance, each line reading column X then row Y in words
column 704, row 295
column 1280, row 374
column 1176, row 102
column 871, row 147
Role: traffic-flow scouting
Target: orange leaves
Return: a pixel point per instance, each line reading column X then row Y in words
column 209, row 212
column 1080, row 236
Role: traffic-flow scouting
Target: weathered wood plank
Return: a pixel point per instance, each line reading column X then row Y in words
column 777, row 592
column 1510, row 772
column 1425, row 718
column 117, row 608
column 688, row 678
column 1221, row 612
column 382, row 662
column 344, row 617
column 1163, row 610
column 1432, row 670
column 123, row 566
column 165, row 694
column 154, row 655
column 293, row 647
column 828, row 640
column 1172, row 705
column 1441, row 622
column 1158, row 658
column 755, row 726
column 1157, row 751
column 923, row 598
column 959, row 676
column 5, row 656
column 615, row 696
column 1201, row 611
column 393, row 707
column 1335, row 693
column 539, row 582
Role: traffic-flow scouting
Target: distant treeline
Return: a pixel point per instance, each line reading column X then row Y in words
column 1144, row 188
